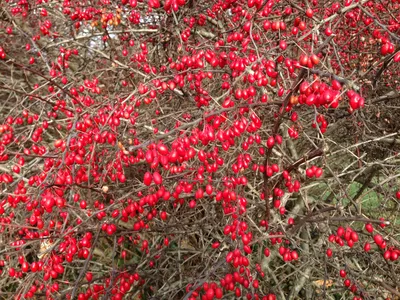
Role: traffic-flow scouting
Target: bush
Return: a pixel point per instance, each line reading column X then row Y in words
column 192, row 149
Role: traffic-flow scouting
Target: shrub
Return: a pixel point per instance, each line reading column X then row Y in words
column 192, row 149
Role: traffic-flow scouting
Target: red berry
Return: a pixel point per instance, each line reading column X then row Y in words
column 318, row 172
column 148, row 178
column 329, row 252
column 199, row 193
column 25, row 267
column 218, row 293
column 328, row 31
column 210, row 294
column 340, row 231
column 215, row 245
column 369, row 227
column 83, row 204
column 354, row 236
column 267, row 252
column 162, row 149
column 270, row 142
column 309, row 173
column 163, row 215
column 347, row 282
column 315, row 59
column 89, row 276
column 378, row 239
column 304, row 60
column 157, row 178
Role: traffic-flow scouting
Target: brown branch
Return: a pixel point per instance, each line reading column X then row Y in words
column 310, row 155
column 308, row 217
column 372, row 172
column 206, row 115
column 86, row 265
column 29, row 95
column 347, row 219
column 295, row 87
column 386, row 63
column 50, row 80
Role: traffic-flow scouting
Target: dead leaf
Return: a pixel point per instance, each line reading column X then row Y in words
column 321, row 282
column 45, row 245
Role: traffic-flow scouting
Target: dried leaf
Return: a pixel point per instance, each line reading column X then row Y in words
column 45, row 246
column 322, row 282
